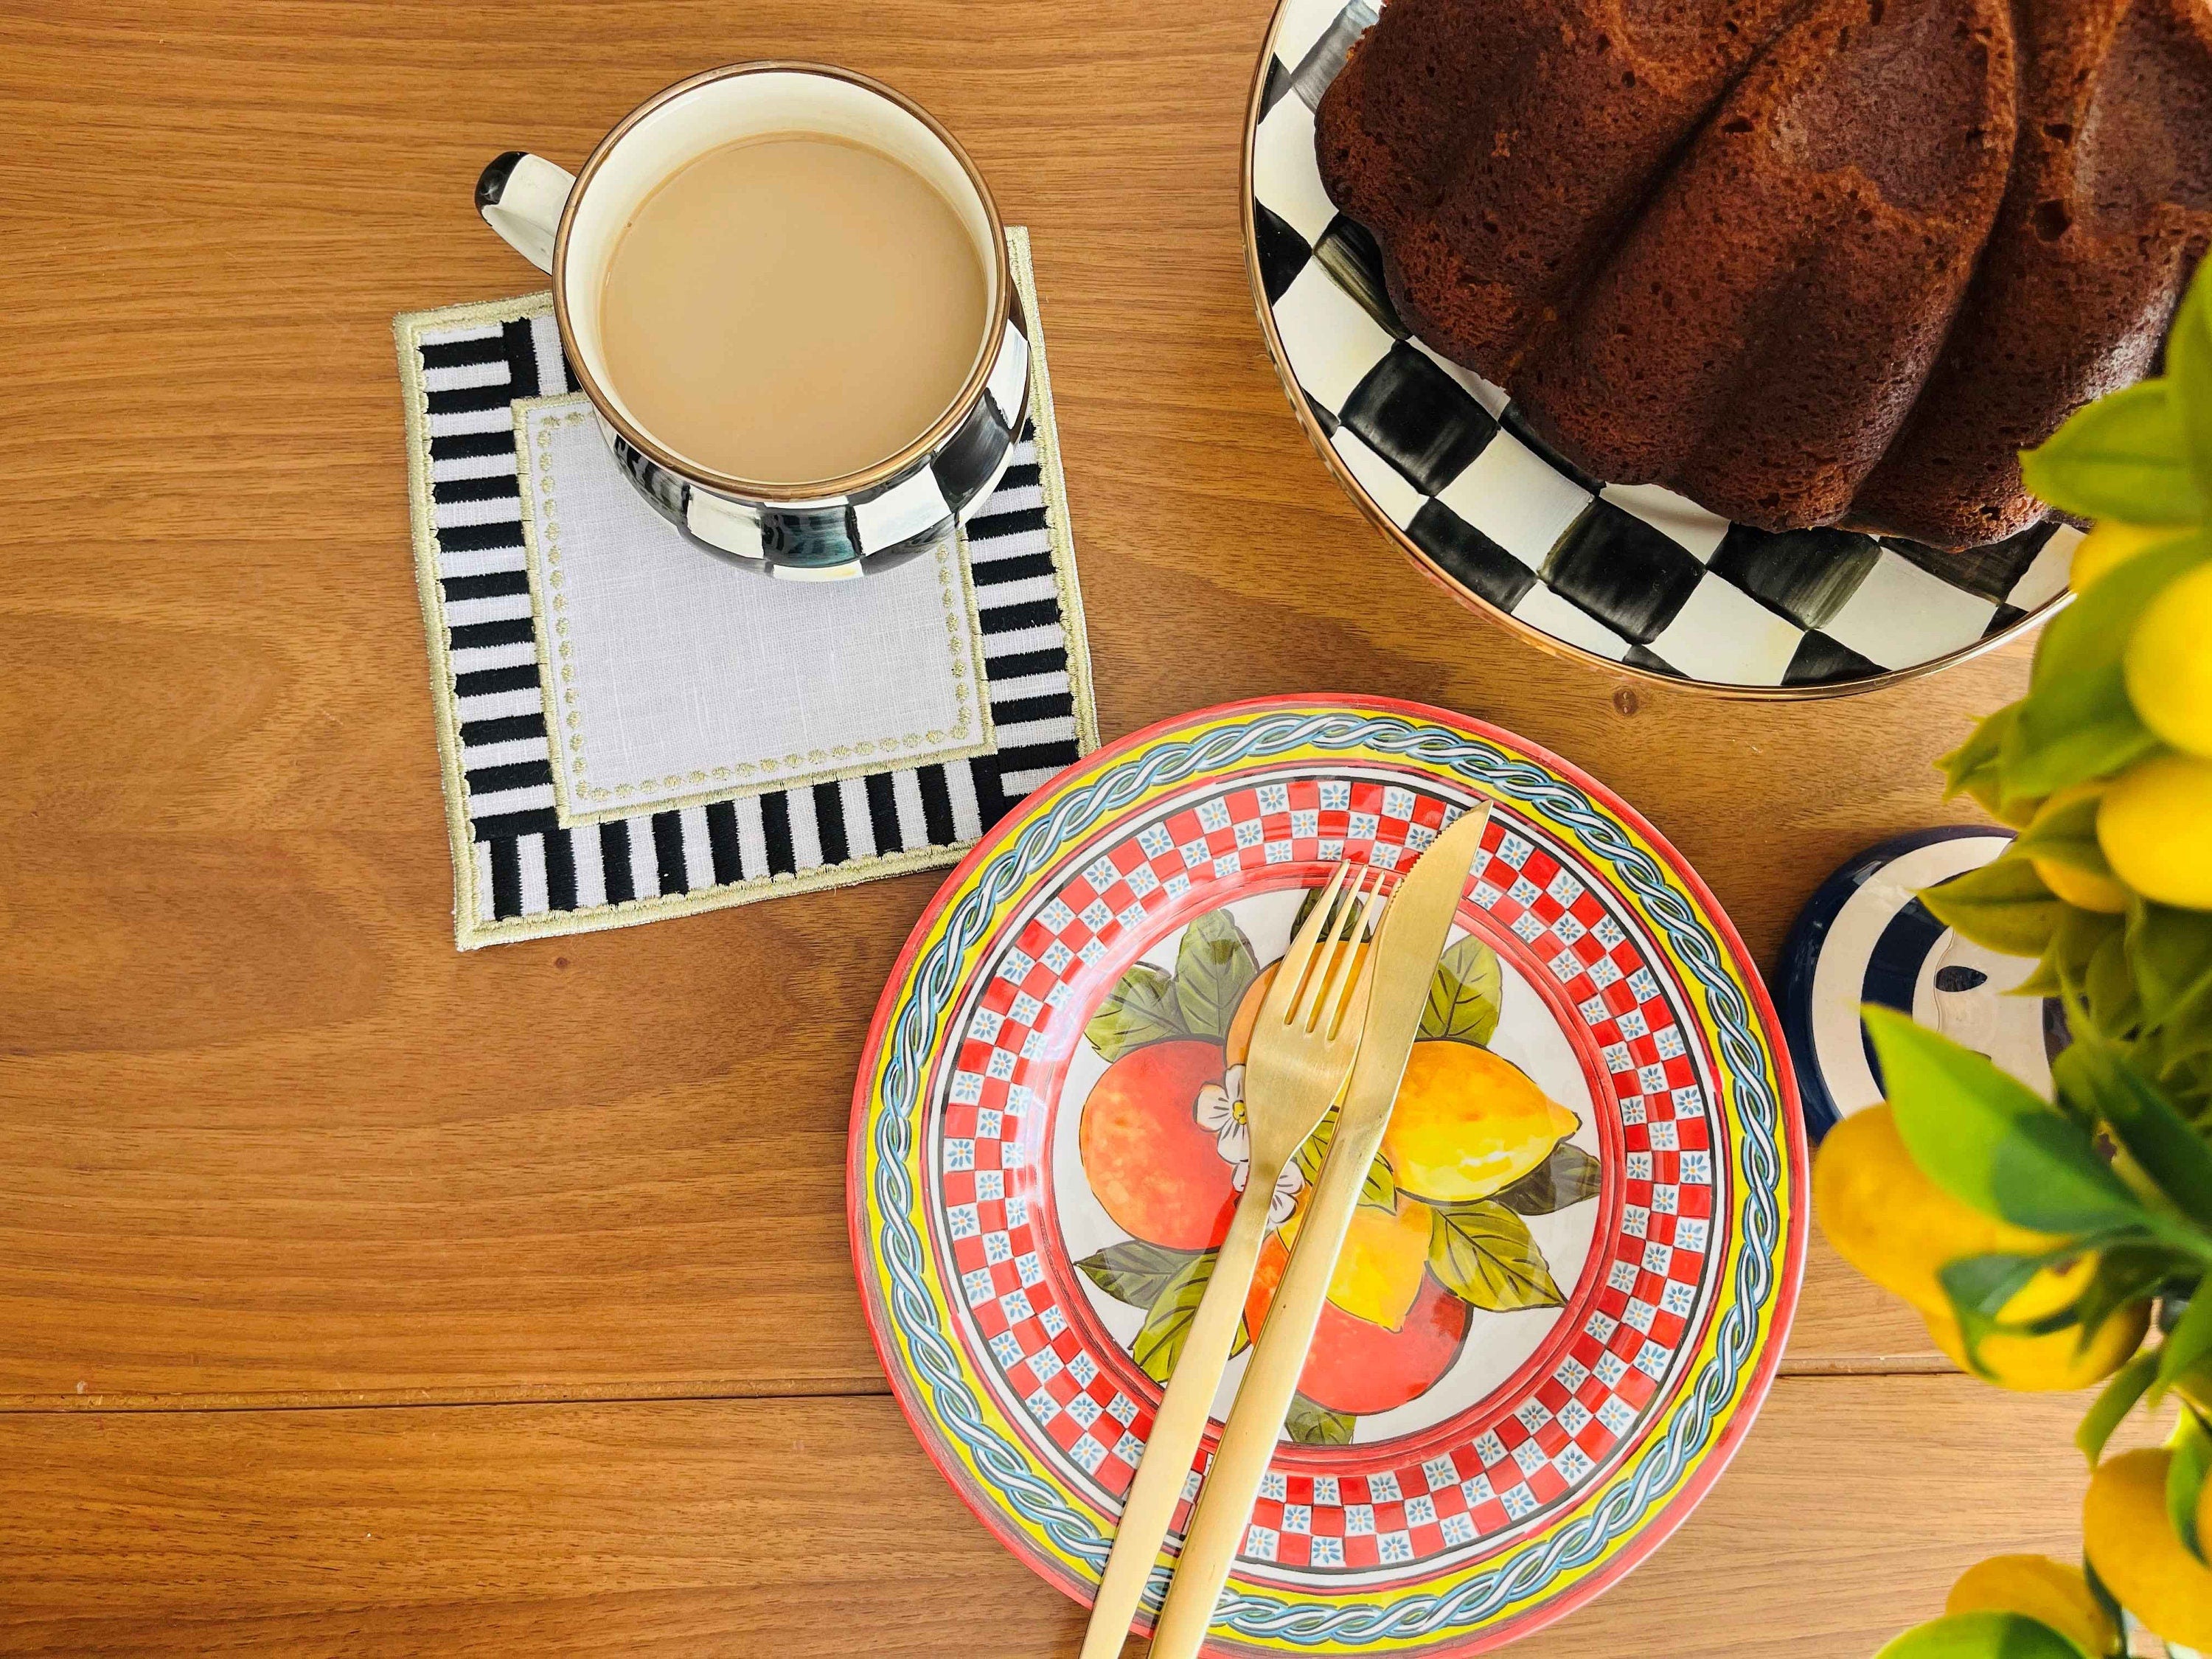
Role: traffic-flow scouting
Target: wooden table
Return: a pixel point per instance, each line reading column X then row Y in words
column 358, row 1297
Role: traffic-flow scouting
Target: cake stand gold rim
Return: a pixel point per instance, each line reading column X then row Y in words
column 1528, row 632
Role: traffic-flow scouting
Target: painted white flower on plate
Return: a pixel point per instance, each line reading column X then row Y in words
column 1220, row 1111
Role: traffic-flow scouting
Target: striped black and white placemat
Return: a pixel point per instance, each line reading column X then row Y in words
column 519, row 872
column 1638, row 576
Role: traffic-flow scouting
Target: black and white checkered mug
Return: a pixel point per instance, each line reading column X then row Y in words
column 567, row 225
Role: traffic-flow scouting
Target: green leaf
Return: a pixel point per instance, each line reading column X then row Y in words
column 1982, row 1285
column 2188, row 372
column 2091, row 633
column 2115, row 1003
column 1987, row 1140
column 2003, row 906
column 1379, row 1190
column 1971, row 769
column 2122, row 457
column 1335, row 912
column 2080, row 731
column 1167, row 1328
column 2066, row 833
column 2170, row 955
column 1214, row 967
column 2077, row 721
column 1483, row 1253
column 1985, row 1636
column 1134, row 1272
column 2180, row 1058
column 2111, row 1604
column 2113, row 1403
column 1308, row 1424
column 2188, row 1345
column 1569, row 1176
column 2141, row 1120
column 2191, row 1086
column 2067, row 959
column 1139, row 1010
column 2126, row 1273
column 2184, row 1480
column 1465, row 995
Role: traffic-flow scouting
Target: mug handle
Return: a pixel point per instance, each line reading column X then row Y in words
column 520, row 197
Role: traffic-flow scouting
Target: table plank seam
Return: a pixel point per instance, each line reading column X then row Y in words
column 1816, row 1368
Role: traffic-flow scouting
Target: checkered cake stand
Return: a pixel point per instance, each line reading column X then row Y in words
column 1550, row 1453
column 1636, row 578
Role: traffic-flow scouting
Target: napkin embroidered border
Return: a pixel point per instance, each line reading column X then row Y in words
column 582, row 802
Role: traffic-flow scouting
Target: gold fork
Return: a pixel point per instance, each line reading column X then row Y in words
column 1307, row 1031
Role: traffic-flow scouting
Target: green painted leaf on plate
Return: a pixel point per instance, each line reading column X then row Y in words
column 1568, row 1176
column 1139, row 1009
column 1335, row 913
column 1483, row 1253
column 1134, row 1272
column 1214, row 967
column 1377, row 1190
column 1465, row 995
column 1308, row 1424
column 1167, row 1328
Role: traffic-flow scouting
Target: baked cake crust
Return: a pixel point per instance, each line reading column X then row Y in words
column 1809, row 262
column 2109, row 212
column 1485, row 233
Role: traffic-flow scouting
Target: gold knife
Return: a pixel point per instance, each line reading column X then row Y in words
column 1414, row 933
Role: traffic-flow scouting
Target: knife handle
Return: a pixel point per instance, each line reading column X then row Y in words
column 1263, row 1400
column 1179, row 1424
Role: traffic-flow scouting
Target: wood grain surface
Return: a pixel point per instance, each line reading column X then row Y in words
column 267, row 1141
column 808, row 1528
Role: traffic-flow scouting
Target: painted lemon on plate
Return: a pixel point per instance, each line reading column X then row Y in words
column 1439, row 1238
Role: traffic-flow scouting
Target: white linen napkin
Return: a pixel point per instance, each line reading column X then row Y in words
column 678, row 678
column 687, row 671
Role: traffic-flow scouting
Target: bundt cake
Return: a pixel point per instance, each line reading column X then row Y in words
column 1808, row 262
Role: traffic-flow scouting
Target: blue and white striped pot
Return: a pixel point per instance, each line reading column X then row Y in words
column 567, row 226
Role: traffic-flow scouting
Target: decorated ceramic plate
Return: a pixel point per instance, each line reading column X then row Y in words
column 1638, row 579
column 1570, row 1281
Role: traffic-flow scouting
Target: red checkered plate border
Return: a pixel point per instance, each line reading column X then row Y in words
column 1541, row 1417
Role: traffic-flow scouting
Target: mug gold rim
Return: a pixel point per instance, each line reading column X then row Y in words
column 994, row 322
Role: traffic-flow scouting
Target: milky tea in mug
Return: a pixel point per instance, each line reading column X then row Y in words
column 793, row 308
